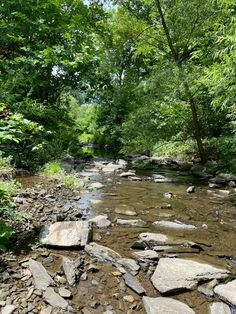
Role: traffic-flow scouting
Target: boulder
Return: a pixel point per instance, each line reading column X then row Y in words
column 162, row 305
column 227, row 292
column 219, row 308
column 102, row 253
column 41, row 278
column 174, row 274
column 125, row 210
column 127, row 174
column 100, row 221
column 54, row 299
column 175, row 225
column 67, row 234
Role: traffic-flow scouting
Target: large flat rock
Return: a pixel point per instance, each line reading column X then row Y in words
column 219, row 308
column 133, row 283
column 67, row 234
column 227, row 292
column 174, row 274
column 153, row 237
column 101, row 221
column 41, row 278
column 162, row 305
column 102, row 253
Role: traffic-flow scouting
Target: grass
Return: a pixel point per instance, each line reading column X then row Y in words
column 54, row 171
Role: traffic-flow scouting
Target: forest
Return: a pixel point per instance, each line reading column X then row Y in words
column 140, row 81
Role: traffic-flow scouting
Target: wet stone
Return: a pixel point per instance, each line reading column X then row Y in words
column 129, row 264
column 100, row 221
column 102, row 253
column 174, row 225
column 131, row 222
column 146, row 255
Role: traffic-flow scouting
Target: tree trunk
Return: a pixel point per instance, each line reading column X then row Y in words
column 188, row 93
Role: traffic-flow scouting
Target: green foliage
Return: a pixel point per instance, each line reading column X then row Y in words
column 5, row 233
column 175, row 149
column 54, row 171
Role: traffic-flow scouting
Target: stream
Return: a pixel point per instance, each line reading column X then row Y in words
column 211, row 211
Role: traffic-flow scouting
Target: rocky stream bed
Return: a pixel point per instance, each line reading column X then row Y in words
column 154, row 242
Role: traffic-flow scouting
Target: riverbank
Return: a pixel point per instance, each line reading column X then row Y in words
column 143, row 224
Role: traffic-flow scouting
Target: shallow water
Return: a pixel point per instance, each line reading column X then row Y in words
column 214, row 217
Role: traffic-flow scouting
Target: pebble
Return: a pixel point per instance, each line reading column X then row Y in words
column 128, row 298
column 65, row 293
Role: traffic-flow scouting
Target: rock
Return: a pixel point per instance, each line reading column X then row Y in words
column 96, row 185
column 146, row 255
column 219, row 180
column 175, row 225
column 129, row 264
column 206, row 291
column 128, row 298
column 168, row 194
column 124, row 210
column 41, row 278
column 174, row 274
column 54, row 299
column 131, row 222
column 66, row 234
column 213, row 185
column 65, row 293
column 161, row 179
column 102, row 253
column 8, row 309
column 153, row 237
column 232, row 184
column 127, row 174
column 71, row 269
column 162, row 305
column 219, row 308
column 191, row 189
column 100, row 221
column 46, row 310
column 135, row 178
column 227, row 292
column 133, row 283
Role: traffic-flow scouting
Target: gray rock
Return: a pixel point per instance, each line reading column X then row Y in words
column 232, row 184
column 191, row 189
column 96, row 185
column 153, row 237
column 127, row 174
column 219, row 308
column 8, row 309
column 161, row 179
column 41, row 278
column 54, row 299
column 146, row 255
column 71, row 269
column 123, row 210
column 102, row 253
column 227, row 292
column 129, row 264
column 133, row 283
column 220, row 180
column 174, row 274
column 67, row 234
column 174, row 225
column 131, row 222
column 65, row 293
column 100, row 221
column 162, row 305
column 206, row 291
column 46, row 310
